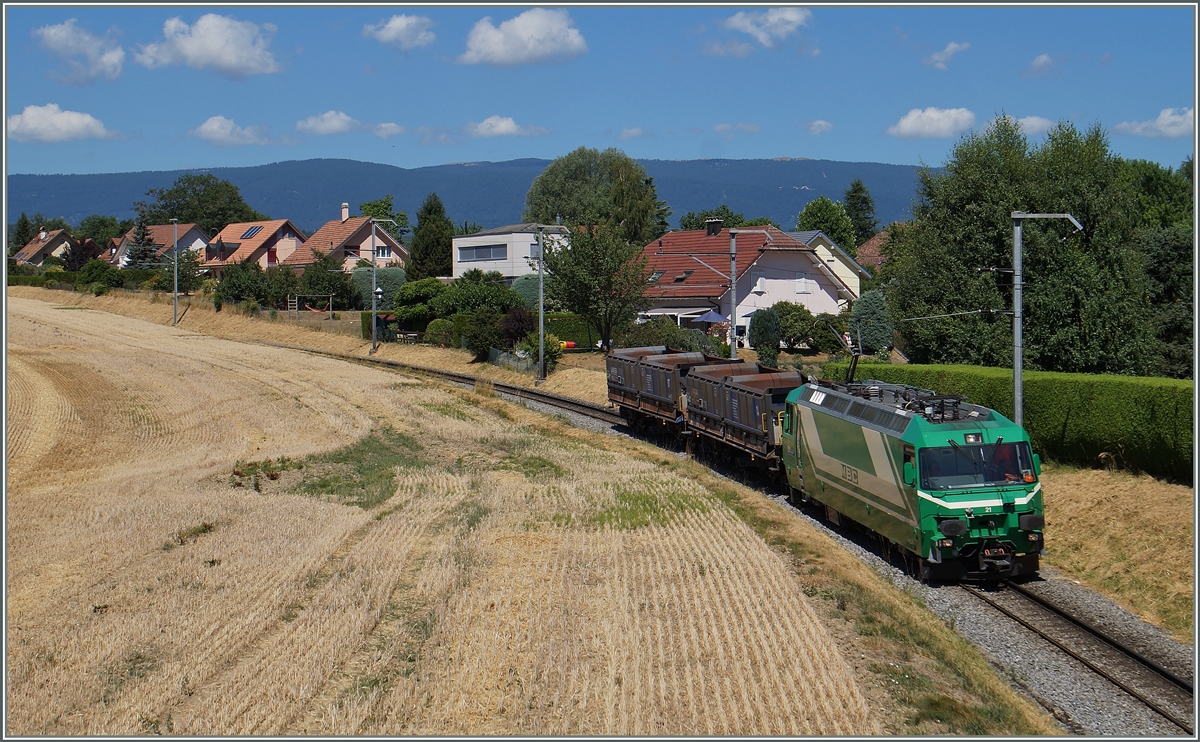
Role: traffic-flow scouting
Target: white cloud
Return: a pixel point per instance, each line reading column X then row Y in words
column 102, row 57
column 536, row 35
column 330, row 122
column 501, row 126
column 771, row 26
column 404, row 31
column 732, row 48
column 233, row 48
column 939, row 59
column 932, row 123
column 383, row 131
column 1035, row 125
column 49, row 123
column 222, row 131
column 634, row 133
column 1171, row 124
column 819, row 127
column 433, row 135
column 1042, row 64
column 728, row 131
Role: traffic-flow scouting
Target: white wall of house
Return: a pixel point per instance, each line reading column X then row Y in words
column 783, row 276
column 837, row 264
column 507, row 253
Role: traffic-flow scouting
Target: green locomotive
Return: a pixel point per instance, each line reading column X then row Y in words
column 954, row 485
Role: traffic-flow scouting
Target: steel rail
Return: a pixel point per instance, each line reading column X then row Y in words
column 583, row 407
column 1099, row 634
column 978, row 593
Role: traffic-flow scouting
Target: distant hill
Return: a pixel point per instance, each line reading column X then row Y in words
column 311, row 192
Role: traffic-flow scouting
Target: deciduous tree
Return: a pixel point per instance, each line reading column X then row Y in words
column 831, row 218
column 324, row 276
column 385, row 209
column 606, row 187
column 729, row 218
column 203, row 200
column 1086, row 294
column 599, row 276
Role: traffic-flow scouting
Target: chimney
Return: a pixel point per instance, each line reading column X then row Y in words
column 345, row 211
column 42, row 234
column 713, row 227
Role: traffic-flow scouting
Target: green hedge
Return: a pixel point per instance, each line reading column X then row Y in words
column 572, row 327
column 461, row 323
column 1144, row 423
column 26, row 280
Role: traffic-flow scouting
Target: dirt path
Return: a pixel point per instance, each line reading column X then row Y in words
column 514, row 583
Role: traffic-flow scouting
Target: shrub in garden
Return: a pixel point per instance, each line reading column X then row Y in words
column 764, row 336
column 439, row 332
column 484, row 333
column 99, row 289
column 516, row 324
column 552, row 349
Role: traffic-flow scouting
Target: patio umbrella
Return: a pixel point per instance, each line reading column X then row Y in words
column 710, row 316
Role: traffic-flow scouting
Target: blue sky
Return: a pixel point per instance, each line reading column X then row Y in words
column 119, row 89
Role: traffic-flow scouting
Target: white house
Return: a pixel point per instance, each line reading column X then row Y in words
column 505, row 249
column 191, row 237
column 690, row 269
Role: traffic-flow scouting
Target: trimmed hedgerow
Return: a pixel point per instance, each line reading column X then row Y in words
column 26, row 280
column 1136, row 422
column 572, row 327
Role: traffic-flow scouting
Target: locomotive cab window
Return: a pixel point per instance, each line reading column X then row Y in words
column 976, row 465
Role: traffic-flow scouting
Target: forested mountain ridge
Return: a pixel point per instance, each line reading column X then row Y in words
column 310, row 192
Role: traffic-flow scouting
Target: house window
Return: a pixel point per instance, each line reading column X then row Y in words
column 272, row 257
column 383, row 251
column 655, row 276
column 803, row 285
column 483, row 252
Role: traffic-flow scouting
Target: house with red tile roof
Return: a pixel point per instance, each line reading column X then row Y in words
column 870, row 252
column 45, row 244
column 267, row 243
column 350, row 240
column 191, row 237
column 689, row 274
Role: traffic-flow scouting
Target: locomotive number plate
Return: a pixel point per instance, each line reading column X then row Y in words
column 850, row 474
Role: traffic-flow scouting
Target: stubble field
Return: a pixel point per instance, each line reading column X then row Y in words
column 189, row 551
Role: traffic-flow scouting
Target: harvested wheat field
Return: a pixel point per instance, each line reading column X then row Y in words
column 198, row 542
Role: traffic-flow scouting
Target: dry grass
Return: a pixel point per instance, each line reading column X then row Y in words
column 501, row 589
column 1129, row 537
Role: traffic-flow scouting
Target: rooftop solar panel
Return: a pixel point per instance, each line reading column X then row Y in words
column 251, row 232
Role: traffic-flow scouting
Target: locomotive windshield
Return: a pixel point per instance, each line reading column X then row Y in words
column 976, row 465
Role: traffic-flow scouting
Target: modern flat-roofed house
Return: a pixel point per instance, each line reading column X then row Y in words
column 505, row 249
column 267, row 243
column 191, row 237
column 349, row 239
column 55, row 242
column 690, row 269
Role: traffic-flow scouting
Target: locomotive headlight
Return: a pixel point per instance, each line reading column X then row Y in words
column 1034, row 536
column 946, row 543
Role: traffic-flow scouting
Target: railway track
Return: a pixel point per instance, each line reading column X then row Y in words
column 1141, row 678
column 1167, row 694
column 569, row 404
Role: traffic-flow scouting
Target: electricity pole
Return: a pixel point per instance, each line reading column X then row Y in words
column 175, row 233
column 1018, row 311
